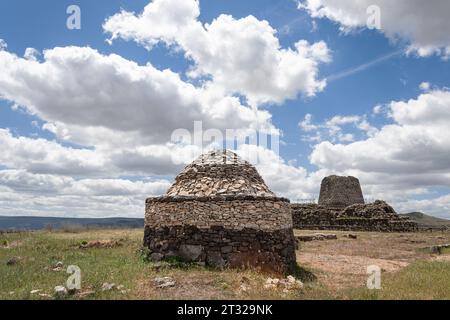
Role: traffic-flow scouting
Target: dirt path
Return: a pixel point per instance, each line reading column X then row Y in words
column 341, row 264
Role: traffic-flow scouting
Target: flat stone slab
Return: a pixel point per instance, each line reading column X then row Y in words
column 316, row 237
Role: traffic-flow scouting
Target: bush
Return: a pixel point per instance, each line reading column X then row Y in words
column 144, row 253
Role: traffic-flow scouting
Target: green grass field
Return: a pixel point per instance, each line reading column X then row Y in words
column 123, row 264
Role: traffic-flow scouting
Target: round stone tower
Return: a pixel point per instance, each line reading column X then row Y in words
column 340, row 192
column 219, row 211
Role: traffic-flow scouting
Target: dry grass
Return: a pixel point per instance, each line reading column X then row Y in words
column 330, row 269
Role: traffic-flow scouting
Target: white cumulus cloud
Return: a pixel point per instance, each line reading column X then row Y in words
column 412, row 152
column 423, row 25
column 81, row 89
column 241, row 56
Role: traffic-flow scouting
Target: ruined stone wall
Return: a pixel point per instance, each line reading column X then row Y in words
column 340, row 192
column 222, row 231
column 378, row 216
column 224, row 248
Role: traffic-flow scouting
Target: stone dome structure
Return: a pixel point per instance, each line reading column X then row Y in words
column 219, row 173
column 219, row 211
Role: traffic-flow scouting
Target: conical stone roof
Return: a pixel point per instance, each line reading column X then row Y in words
column 219, row 173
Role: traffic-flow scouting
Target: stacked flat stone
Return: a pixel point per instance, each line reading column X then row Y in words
column 219, row 173
column 220, row 212
column 341, row 207
column 340, row 192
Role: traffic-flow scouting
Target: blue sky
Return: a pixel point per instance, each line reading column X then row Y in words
column 366, row 68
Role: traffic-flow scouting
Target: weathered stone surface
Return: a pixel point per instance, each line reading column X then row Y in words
column 437, row 249
column 156, row 257
column 219, row 173
column 377, row 216
column 317, row 236
column 190, row 253
column 270, row 251
column 341, row 207
column 106, row 286
column 232, row 213
column 12, row 261
column 340, row 192
column 214, row 259
column 60, row 292
column 220, row 212
column 165, row 282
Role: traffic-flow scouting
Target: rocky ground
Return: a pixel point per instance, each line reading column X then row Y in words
column 342, row 264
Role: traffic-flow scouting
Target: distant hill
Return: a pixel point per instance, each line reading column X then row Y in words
column 39, row 223
column 425, row 220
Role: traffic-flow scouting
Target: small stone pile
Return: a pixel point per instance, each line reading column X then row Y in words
column 220, row 212
column 341, row 207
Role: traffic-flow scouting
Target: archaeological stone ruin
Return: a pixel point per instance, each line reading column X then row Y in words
column 220, row 212
column 340, row 192
column 341, row 207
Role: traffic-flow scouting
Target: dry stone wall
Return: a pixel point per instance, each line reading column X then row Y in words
column 221, row 247
column 263, row 213
column 340, row 192
column 377, row 216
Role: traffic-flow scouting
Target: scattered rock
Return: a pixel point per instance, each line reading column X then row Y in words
column 13, row 261
column 317, row 237
column 437, row 249
column 108, row 286
column 35, row 291
column 100, row 244
column 72, row 291
column 157, row 266
column 122, row 289
column 245, row 280
column 156, row 257
column 288, row 284
column 85, row 294
column 352, row 236
column 245, row 284
column 271, row 283
column 243, row 287
column 165, row 282
column 60, row 292
column 44, row 295
column 57, row 267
